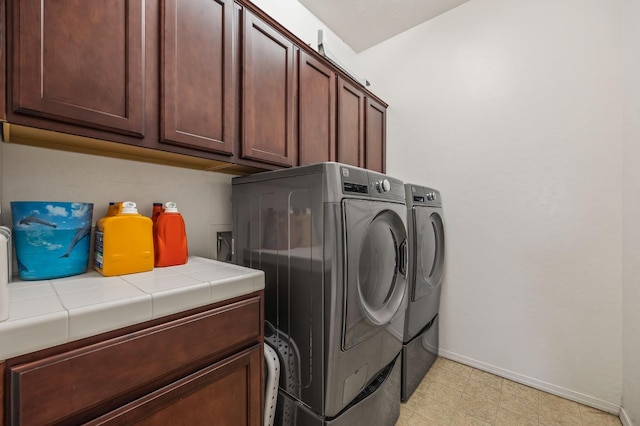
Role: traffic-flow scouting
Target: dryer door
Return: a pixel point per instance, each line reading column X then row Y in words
column 375, row 267
column 429, row 250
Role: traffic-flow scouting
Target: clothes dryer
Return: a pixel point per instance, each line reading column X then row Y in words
column 332, row 242
column 426, row 266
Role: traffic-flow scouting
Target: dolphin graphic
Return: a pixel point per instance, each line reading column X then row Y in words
column 33, row 219
column 80, row 234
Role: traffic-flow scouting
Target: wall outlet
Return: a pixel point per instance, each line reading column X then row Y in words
column 224, row 246
column 219, row 237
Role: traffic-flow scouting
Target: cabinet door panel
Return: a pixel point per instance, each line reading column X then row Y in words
column 2, row 391
column 197, row 72
column 81, row 62
column 375, row 136
column 225, row 394
column 350, row 124
column 3, row 64
column 62, row 386
column 268, row 94
column 317, row 140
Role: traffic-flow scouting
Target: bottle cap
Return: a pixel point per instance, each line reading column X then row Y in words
column 170, row 207
column 129, row 207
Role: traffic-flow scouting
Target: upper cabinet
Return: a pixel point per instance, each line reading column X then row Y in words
column 375, row 135
column 3, row 64
column 268, row 98
column 80, row 62
column 197, row 98
column 351, row 102
column 210, row 79
column 317, row 111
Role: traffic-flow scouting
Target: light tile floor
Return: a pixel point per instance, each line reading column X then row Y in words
column 455, row 394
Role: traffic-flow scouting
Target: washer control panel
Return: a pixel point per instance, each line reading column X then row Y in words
column 367, row 183
column 383, row 185
column 421, row 195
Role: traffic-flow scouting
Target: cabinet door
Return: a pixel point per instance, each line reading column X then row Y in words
column 81, row 62
column 375, row 135
column 317, row 111
column 225, row 394
column 197, row 71
column 350, row 124
column 66, row 386
column 268, row 94
column 3, row 64
column 2, row 369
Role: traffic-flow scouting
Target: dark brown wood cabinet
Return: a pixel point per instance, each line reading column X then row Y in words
column 317, row 111
column 2, row 392
column 197, row 71
column 3, row 61
column 196, row 366
column 268, row 93
column 375, row 135
column 222, row 394
column 81, row 62
column 209, row 79
column 351, row 103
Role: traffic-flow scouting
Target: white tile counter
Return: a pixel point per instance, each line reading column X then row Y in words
column 47, row 313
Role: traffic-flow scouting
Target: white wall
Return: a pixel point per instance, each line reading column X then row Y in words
column 514, row 111
column 203, row 198
column 631, row 218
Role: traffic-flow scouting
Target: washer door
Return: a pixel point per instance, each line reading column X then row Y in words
column 429, row 250
column 375, row 267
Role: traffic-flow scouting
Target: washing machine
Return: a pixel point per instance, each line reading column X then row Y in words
column 332, row 241
column 426, row 265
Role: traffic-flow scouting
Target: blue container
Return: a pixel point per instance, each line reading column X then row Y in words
column 52, row 238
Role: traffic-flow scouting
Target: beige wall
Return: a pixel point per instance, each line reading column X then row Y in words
column 631, row 218
column 203, row 198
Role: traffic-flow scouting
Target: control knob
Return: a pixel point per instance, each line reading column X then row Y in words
column 431, row 196
column 383, row 186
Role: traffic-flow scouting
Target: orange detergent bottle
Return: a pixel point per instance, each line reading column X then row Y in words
column 155, row 212
column 123, row 241
column 170, row 237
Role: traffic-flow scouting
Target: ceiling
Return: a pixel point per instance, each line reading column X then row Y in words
column 365, row 23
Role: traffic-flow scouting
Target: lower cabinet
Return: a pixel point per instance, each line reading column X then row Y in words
column 200, row 367
column 223, row 394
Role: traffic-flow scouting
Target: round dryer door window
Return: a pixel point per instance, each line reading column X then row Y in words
column 429, row 250
column 376, row 257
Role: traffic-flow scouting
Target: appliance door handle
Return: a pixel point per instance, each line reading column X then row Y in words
column 403, row 258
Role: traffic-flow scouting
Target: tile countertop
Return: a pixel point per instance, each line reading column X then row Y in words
column 47, row 313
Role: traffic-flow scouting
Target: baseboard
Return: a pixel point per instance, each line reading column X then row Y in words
column 624, row 418
column 534, row 383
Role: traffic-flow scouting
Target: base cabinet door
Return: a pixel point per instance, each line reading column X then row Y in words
column 81, row 62
column 209, row 358
column 224, row 394
column 197, row 75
